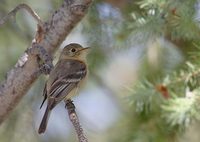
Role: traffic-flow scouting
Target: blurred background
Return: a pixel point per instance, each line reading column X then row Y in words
column 144, row 72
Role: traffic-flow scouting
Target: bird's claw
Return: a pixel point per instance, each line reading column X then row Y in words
column 70, row 105
column 46, row 68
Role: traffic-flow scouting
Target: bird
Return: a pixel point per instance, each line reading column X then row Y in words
column 65, row 79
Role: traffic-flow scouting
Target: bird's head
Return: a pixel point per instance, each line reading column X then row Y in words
column 74, row 50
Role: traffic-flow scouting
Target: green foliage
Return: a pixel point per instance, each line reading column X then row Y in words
column 144, row 97
column 172, row 115
column 180, row 112
column 152, row 115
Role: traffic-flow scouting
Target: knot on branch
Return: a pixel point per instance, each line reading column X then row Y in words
column 46, row 58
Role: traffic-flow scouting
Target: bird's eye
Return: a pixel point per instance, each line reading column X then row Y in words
column 73, row 50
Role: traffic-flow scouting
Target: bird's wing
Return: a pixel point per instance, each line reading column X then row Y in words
column 66, row 81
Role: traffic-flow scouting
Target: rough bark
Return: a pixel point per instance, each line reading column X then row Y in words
column 49, row 36
column 75, row 121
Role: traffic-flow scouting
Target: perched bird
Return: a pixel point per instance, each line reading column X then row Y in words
column 65, row 79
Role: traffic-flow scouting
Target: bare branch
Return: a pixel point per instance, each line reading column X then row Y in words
column 49, row 36
column 22, row 6
column 75, row 121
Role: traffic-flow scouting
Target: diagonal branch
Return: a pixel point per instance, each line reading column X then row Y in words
column 49, row 36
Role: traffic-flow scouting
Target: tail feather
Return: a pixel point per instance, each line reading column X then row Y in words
column 44, row 122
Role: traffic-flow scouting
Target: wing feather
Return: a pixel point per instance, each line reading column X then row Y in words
column 65, row 81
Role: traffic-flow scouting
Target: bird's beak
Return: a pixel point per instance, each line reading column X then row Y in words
column 86, row 48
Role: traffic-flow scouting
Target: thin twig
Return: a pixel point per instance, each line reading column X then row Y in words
column 75, row 121
column 27, row 8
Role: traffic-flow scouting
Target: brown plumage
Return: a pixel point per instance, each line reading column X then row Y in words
column 65, row 79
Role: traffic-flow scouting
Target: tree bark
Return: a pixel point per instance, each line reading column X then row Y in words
column 49, row 36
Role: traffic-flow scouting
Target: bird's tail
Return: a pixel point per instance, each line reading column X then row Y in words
column 43, row 124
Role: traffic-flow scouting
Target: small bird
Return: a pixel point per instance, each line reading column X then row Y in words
column 65, row 79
